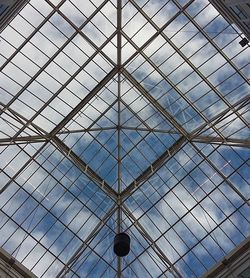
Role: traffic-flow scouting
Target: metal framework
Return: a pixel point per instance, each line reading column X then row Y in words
column 123, row 116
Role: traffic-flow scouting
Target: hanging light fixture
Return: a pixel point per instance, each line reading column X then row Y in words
column 121, row 244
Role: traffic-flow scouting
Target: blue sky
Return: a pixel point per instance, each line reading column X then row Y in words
column 194, row 206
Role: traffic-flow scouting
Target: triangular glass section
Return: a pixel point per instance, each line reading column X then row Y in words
column 92, row 135
column 140, row 149
column 97, row 149
column 97, row 114
column 129, row 118
column 145, row 133
column 142, row 108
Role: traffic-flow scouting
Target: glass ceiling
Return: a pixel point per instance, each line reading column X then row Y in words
column 123, row 116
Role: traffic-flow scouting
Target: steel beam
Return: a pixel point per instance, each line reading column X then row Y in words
column 196, row 70
column 155, row 103
column 154, row 130
column 221, row 116
column 85, row 244
column 86, row 100
column 153, row 168
column 84, row 167
column 217, row 140
column 153, row 244
column 82, row 130
column 119, row 168
column 20, row 119
column 22, row 140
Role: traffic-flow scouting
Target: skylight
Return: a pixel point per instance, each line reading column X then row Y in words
column 123, row 116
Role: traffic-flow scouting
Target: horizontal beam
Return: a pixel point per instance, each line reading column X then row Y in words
column 228, row 112
column 22, row 140
column 154, row 130
column 234, row 142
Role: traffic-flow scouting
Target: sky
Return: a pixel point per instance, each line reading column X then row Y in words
column 192, row 210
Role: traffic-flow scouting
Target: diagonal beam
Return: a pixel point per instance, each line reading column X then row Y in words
column 19, row 118
column 84, row 167
column 87, row 99
column 234, row 142
column 225, row 179
column 212, row 42
column 153, row 168
column 153, row 244
column 221, row 116
column 186, row 60
column 155, row 103
column 86, row 243
column 158, row 32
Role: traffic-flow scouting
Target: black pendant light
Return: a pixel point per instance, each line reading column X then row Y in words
column 121, row 244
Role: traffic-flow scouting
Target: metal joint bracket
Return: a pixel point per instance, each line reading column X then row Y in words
column 152, row 168
column 69, row 152
column 103, row 184
column 119, row 200
column 86, row 168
